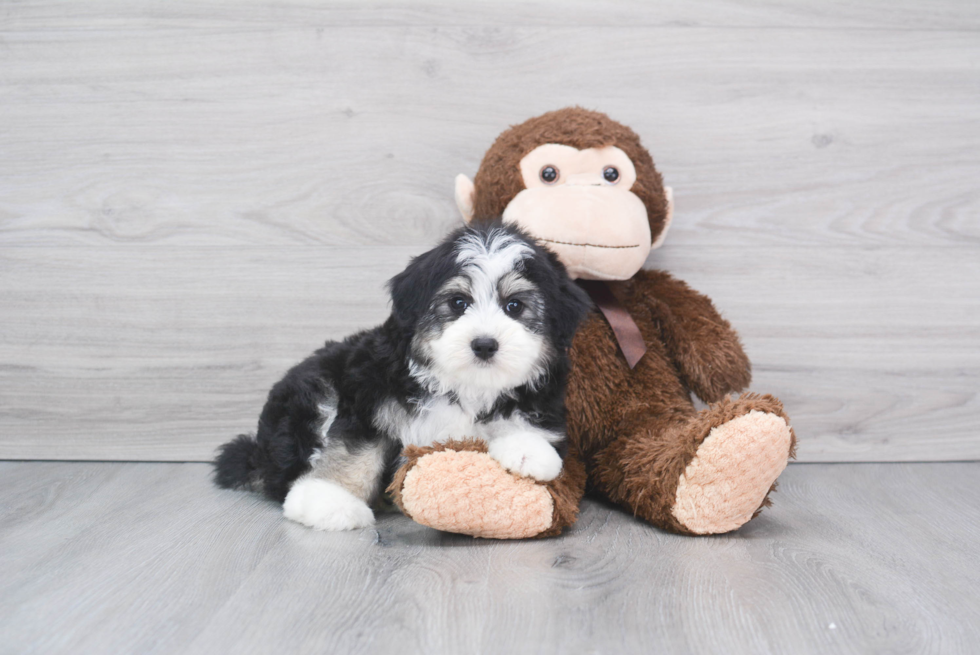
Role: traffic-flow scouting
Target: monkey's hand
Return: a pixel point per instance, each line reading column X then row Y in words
column 703, row 346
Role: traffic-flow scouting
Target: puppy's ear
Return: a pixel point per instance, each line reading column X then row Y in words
column 412, row 289
column 573, row 304
column 569, row 303
column 407, row 303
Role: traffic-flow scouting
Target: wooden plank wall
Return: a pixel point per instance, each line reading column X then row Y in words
column 193, row 195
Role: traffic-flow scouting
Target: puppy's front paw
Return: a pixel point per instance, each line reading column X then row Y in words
column 528, row 455
column 325, row 505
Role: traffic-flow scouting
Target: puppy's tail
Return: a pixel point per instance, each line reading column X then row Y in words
column 235, row 466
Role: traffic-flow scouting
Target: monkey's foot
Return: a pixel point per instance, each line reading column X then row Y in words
column 735, row 467
column 457, row 487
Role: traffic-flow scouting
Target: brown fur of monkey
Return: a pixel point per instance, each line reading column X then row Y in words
column 638, row 432
column 498, row 179
column 638, row 429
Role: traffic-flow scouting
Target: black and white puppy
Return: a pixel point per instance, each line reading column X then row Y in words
column 476, row 346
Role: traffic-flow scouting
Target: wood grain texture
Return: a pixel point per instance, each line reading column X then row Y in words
column 258, row 124
column 163, row 353
column 959, row 15
column 149, row 558
column 193, row 195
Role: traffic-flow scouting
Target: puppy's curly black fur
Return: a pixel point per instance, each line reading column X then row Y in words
column 362, row 391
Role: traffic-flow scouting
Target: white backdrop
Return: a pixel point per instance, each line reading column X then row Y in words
column 194, row 195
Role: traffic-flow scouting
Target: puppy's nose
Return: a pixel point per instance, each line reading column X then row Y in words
column 484, row 347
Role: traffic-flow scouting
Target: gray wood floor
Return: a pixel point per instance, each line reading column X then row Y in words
column 195, row 194
column 150, row 558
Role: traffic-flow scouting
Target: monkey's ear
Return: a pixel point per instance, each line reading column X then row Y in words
column 659, row 241
column 464, row 197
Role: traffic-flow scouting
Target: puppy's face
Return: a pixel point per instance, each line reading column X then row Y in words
column 485, row 329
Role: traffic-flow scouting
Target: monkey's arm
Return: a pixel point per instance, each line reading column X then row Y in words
column 703, row 346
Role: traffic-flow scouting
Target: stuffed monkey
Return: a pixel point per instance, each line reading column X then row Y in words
column 584, row 186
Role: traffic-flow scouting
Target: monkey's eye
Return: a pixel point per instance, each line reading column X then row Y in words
column 549, row 174
column 458, row 304
column 513, row 308
column 610, row 174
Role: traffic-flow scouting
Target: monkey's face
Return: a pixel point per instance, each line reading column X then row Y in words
column 579, row 203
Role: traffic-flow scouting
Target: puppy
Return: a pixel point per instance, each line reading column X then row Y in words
column 476, row 346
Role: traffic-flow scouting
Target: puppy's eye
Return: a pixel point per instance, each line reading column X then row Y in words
column 549, row 174
column 610, row 174
column 513, row 308
column 458, row 304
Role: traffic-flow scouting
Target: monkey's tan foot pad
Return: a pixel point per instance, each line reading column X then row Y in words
column 731, row 474
column 468, row 492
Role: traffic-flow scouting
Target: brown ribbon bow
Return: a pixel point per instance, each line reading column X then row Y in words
column 624, row 327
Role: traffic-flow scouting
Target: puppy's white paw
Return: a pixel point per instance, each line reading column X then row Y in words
column 526, row 454
column 325, row 505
